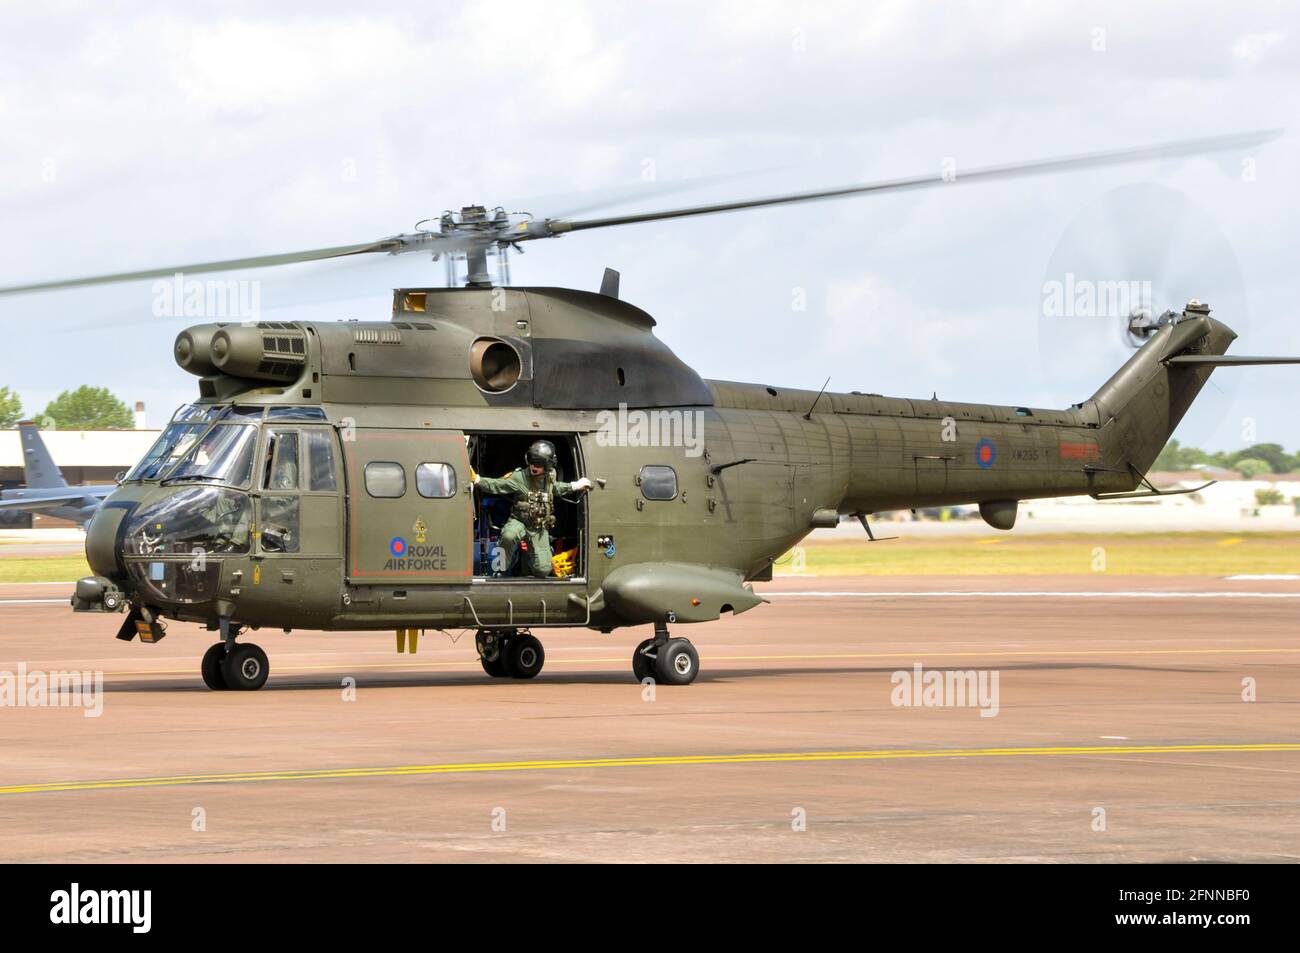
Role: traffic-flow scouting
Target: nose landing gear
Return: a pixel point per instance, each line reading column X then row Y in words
column 245, row 668
column 210, row 667
column 235, row 666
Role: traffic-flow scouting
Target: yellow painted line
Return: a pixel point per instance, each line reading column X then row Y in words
column 886, row 754
column 1231, row 541
column 1031, row 652
column 343, row 667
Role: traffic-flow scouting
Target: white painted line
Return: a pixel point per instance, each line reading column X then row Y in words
column 33, row 602
column 71, row 582
column 1114, row 737
column 940, row 594
column 1256, row 576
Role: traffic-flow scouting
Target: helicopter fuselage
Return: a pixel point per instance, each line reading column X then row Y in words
column 324, row 480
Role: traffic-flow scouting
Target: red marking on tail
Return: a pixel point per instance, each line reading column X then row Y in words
column 1080, row 451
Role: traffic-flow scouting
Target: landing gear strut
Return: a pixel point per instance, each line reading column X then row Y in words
column 668, row 660
column 231, row 665
column 508, row 653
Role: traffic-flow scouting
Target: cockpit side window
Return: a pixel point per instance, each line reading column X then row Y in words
column 320, row 457
column 280, row 468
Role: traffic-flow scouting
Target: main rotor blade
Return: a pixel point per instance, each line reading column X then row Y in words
column 1225, row 360
column 263, row 261
column 1185, row 147
column 460, row 242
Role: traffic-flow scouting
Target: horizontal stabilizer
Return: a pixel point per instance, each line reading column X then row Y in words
column 1143, row 494
column 1223, row 360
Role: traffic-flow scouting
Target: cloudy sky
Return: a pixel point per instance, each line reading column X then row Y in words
column 150, row 134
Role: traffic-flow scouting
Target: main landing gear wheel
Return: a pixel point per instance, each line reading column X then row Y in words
column 677, row 662
column 524, row 656
column 245, row 668
column 492, row 646
column 211, row 667
column 643, row 666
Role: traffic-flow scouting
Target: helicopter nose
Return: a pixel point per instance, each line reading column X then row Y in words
column 101, row 538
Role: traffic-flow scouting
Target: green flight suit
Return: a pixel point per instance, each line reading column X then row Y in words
column 531, row 516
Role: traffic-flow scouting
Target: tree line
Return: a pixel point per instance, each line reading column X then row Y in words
column 1252, row 462
column 86, row 408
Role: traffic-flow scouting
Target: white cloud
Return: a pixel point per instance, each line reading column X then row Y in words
column 1251, row 48
column 183, row 133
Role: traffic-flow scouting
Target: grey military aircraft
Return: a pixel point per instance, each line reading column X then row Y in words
column 46, row 490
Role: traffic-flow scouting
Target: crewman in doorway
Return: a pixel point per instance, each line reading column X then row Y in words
column 533, row 489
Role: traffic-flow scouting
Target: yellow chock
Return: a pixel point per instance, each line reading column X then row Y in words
column 407, row 640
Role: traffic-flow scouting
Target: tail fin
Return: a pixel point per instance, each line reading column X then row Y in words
column 38, row 465
column 1141, row 405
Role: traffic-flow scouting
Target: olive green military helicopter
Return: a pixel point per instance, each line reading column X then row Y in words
column 325, row 478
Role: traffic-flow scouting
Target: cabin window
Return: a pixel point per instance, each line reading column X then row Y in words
column 659, row 483
column 435, row 481
column 384, row 480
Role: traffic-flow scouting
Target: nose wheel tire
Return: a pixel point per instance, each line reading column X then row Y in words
column 677, row 662
column 211, row 667
column 524, row 656
column 245, row 668
column 643, row 666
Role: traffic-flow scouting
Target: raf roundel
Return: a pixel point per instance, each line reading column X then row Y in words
column 397, row 547
column 985, row 453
